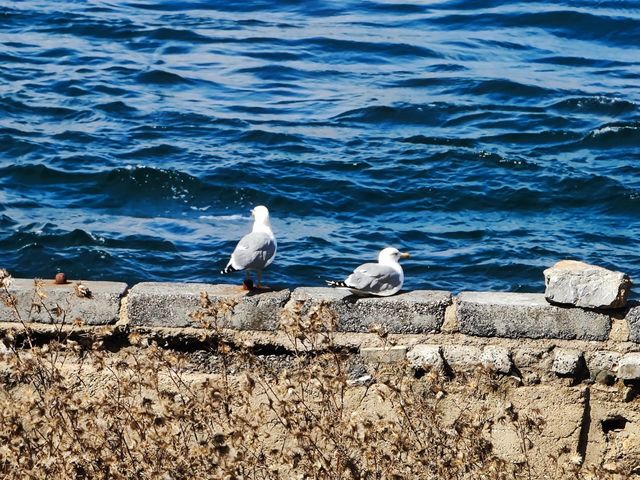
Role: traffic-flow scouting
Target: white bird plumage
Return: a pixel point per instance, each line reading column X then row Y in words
column 256, row 250
column 382, row 279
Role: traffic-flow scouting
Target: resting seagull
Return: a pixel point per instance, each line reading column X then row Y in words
column 256, row 250
column 381, row 279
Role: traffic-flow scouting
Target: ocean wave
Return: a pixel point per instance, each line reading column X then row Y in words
column 270, row 138
column 505, row 89
column 39, row 174
column 545, row 137
column 570, row 24
column 385, row 50
column 51, row 237
column 599, row 105
column 618, row 135
column 425, row 114
column 117, row 107
column 176, row 34
column 276, row 72
column 12, row 107
column 581, row 62
column 130, row 185
column 224, row 218
column 155, row 151
column 7, row 221
column 454, row 142
column 161, row 77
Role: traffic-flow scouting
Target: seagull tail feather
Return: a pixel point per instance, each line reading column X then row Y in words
column 337, row 284
column 228, row 269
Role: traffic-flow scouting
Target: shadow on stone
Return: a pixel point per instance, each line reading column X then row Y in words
column 254, row 291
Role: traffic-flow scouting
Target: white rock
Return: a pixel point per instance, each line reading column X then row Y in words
column 566, row 361
column 426, row 357
column 570, row 282
column 629, row 366
column 462, row 356
column 603, row 364
column 497, row 358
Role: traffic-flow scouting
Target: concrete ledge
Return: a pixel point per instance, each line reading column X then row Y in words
column 224, row 306
column 515, row 315
column 61, row 303
column 419, row 311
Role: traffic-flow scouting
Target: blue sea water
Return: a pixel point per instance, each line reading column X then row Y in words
column 488, row 138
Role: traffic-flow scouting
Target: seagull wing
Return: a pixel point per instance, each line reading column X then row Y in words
column 254, row 251
column 373, row 278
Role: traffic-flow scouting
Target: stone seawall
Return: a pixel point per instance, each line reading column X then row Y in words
column 600, row 340
column 581, row 367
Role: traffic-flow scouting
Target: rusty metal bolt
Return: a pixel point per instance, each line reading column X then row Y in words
column 61, row 278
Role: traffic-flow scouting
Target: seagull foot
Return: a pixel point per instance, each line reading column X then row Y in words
column 247, row 284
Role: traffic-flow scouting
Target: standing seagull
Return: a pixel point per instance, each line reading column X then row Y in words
column 381, row 279
column 256, row 250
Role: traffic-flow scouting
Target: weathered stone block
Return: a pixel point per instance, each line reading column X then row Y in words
column 527, row 357
column 567, row 361
column 603, row 365
column 186, row 305
column 426, row 357
column 629, row 366
column 62, row 304
column 419, row 311
column 461, row 357
column 497, row 358
column 394, row 354
column 516, row 315
column 580, row 284
column 619, row 329
column 633, row 321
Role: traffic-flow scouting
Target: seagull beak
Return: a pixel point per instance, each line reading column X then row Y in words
column 405, row 255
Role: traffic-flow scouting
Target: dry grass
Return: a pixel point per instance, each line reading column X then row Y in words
column 78, row 411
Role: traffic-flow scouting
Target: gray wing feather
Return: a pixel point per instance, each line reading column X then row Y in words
column 373, row 278
column 254, row 252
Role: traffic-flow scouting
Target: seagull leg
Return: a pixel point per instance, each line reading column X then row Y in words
column 247, row 284
column 259, row 273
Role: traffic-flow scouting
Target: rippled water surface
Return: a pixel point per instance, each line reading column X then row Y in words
column 489, row 139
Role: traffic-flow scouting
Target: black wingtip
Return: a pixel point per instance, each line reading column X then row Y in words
column 334, row 284
column 228, row 269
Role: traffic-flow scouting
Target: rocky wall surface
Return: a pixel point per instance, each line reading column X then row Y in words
column 436, row 328
column 579, row 366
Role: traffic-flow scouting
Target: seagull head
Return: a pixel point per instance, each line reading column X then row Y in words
column 391, row 255
column 260, row 214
